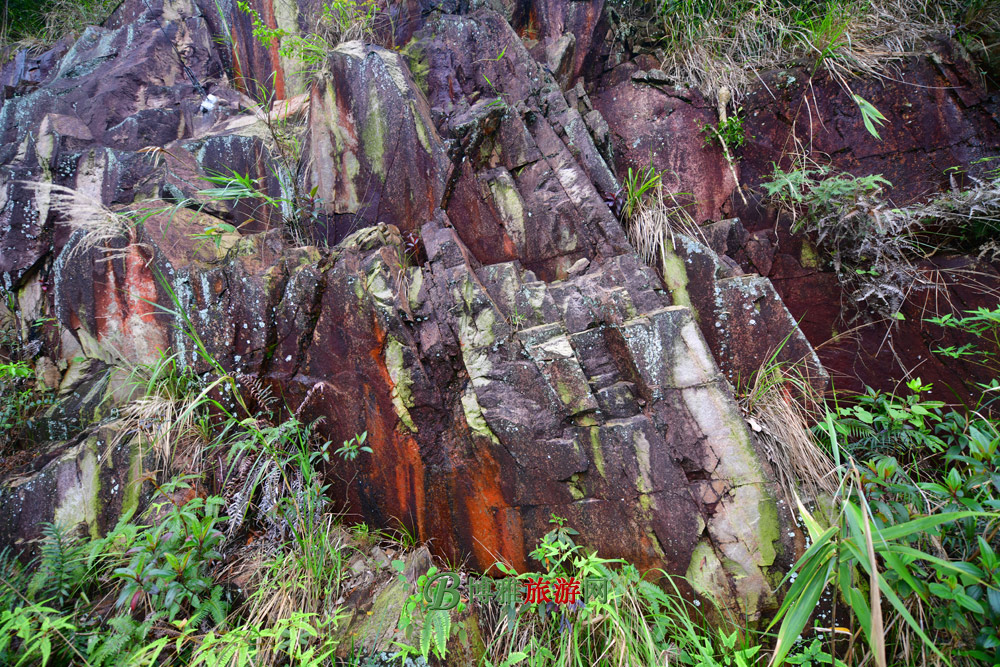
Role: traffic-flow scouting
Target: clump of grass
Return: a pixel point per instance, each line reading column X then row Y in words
column 780, row 403
column 37, row 24
column 710, row 44
column 876, row 248
column 651, row 216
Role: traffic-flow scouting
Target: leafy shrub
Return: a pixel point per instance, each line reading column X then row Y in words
column 19, row 400
column 168, row 568
column 881, row 423
column 983, row 324
column 918, row 522
column 335, row 22
column 729, row 131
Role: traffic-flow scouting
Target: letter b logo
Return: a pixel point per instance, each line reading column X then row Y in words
column 441, row 591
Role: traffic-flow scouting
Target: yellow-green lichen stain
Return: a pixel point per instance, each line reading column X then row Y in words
column 374, row 132
column 675, row 277
column 79, row 501
column 402, row 381
column 597, row 454
column 474, row 416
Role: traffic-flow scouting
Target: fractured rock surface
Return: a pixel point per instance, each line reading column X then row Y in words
column 517, row 361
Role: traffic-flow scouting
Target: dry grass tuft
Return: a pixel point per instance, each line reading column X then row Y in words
column 779, row 405
column 99, row 224
column 710, row 45
column 655, row 221
column 164, row 407
column 36, row 24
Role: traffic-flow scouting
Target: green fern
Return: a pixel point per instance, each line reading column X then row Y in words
column 211, row 607
column 61, row 565
column 113, row 648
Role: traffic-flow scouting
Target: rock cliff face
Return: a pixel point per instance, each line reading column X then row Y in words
column 467, row 296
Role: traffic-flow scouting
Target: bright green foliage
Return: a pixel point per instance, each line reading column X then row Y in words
column 908, row 537
column 338, row 21
column 982, row 323
column 168, row 569
column 870, row 115
column 353, row 447
column 298, row 212
column 882, row 423
column 819, row 195
column 61, row 566
column 435, row 624
column 638, row 184
column 19, row 399
column 730, row 131
column 40, row 632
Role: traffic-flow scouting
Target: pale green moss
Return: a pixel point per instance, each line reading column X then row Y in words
column 374, row 132
column 704, row 570
column 597, row 454
column 575, row 488
column 511, row 207
column 416, row 281
column 416, row 60
column 79, row 502
column 644, row 482
column 421, row 129
column 676, row 278
column 809, row 258
column 133, row 490
column 402, row 380
column 474, row 416
column 768, row 530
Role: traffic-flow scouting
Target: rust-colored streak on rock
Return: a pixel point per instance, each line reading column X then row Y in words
column 267, row 13
column 238, row 80
column 140, row 286
column 496, row 531
column 402, row 454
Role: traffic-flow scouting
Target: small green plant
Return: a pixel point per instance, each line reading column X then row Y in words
column 728, row 132
column 984, row 324
column 354, row 446
column 882, row 423
column 869, row 115
column 337, row 21
column 298, row 213
column 638, row 184
column 19, row 400
column 435, row 624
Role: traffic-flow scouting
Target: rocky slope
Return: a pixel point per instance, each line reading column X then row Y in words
column 466, row 295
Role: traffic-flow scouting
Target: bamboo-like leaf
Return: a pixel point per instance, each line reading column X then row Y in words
column 860, row 607
column 958, row 567
column 894, row 600
column 799, row 612
column 813, row 526
column 805, row 575
column 923, row 524
column 876, row 638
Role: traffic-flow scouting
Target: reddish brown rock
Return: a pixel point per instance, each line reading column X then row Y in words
column 938, row 115
column 522, row 362
column 662, row 126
